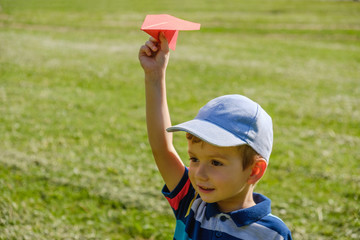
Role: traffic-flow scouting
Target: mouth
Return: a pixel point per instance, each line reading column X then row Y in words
column 204, row 189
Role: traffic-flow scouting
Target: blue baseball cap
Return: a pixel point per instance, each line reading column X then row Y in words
column 232, row 120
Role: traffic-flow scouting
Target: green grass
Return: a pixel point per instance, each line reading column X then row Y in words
column 74, row 158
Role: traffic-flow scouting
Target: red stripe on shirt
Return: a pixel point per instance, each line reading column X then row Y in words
column 174, row 202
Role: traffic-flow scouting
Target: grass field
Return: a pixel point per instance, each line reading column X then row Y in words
column 74, row 158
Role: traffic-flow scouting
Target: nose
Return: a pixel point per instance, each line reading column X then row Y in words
column 201, row 173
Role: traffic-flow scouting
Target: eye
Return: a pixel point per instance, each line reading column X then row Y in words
column 216, row 163
column 193, row 159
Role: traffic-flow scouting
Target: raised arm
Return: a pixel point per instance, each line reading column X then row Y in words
column 154, row 57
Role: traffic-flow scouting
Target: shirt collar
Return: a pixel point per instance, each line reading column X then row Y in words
column 244, row 216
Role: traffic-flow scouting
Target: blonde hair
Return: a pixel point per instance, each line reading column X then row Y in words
column 247, row 153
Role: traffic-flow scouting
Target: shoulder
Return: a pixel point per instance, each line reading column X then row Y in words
column 276, row 224
column 269, row 221
column 181, row 189
column 181, row 197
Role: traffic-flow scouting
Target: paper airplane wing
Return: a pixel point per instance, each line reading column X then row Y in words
column 154, row 24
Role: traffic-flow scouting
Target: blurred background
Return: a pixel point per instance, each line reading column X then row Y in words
column 74, row 157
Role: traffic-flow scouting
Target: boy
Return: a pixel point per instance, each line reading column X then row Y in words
column 229, row 145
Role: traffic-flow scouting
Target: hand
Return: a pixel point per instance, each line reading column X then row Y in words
column 154, row 55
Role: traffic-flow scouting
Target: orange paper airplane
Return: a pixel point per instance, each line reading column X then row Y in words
column 154, row 24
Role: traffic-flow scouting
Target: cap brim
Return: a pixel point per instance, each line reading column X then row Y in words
column 208, row 132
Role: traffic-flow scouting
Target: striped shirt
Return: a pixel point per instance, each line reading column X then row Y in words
column 196, row 219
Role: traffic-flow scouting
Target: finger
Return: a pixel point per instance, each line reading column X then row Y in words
column 154, row 40
column 163, row 42
column 145, row 49
column 151, row 45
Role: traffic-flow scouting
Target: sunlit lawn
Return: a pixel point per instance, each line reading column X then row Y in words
column 74, row 158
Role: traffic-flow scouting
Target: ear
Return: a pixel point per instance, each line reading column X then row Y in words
column 257, row 171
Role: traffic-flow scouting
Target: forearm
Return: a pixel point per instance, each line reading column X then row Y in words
column 161, row 142
column 157, row 113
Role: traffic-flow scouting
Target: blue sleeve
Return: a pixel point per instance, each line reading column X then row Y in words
column 181, row 197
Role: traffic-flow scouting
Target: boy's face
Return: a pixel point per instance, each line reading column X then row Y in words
column 217, row 175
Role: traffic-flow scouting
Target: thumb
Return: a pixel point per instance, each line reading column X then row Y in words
column 164, row 45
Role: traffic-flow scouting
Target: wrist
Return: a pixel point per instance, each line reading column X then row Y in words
column 151, row 76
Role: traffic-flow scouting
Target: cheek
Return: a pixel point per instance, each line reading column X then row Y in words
column 225, row 180
column 228, row 176
column 221, row 176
